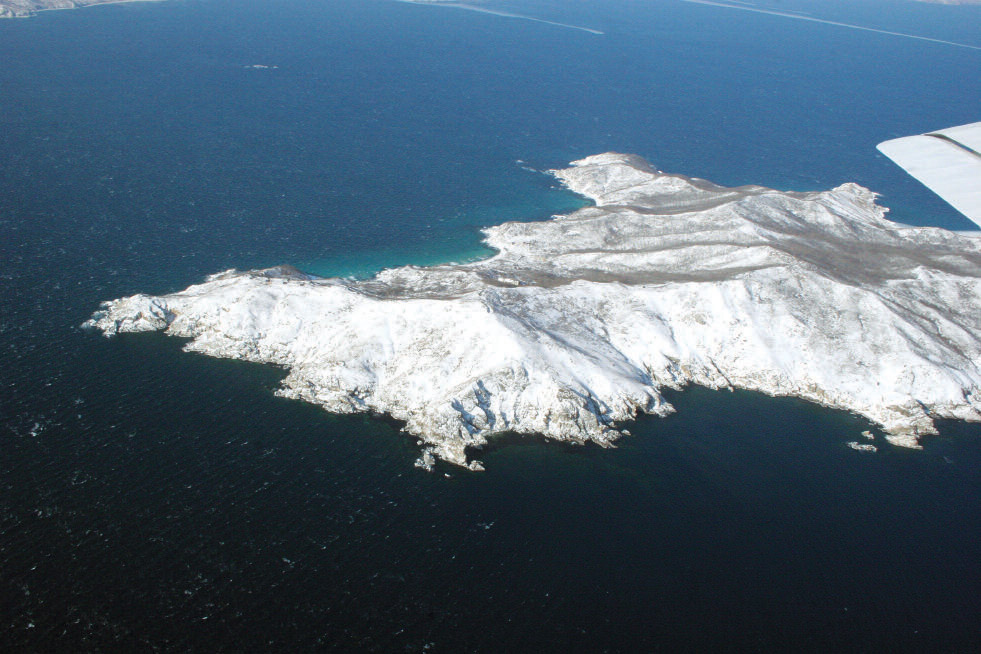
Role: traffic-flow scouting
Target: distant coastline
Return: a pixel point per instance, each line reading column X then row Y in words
column 27, row 8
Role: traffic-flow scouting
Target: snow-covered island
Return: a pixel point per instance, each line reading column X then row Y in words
column 579, row 322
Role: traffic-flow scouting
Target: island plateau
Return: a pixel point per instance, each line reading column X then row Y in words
column 580, row 322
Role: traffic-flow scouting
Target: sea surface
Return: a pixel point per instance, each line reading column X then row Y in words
column 156, row 500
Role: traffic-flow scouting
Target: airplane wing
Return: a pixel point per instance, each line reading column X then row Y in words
column 947, row 161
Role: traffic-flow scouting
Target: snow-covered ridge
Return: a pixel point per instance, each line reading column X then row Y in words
column 578, row 323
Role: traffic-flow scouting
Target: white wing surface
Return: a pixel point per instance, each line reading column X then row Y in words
column 947, row 161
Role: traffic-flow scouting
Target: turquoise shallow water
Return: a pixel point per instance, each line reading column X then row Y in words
column 155, row 499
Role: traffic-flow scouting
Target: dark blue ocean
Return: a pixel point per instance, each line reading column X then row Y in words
column 155, row 500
